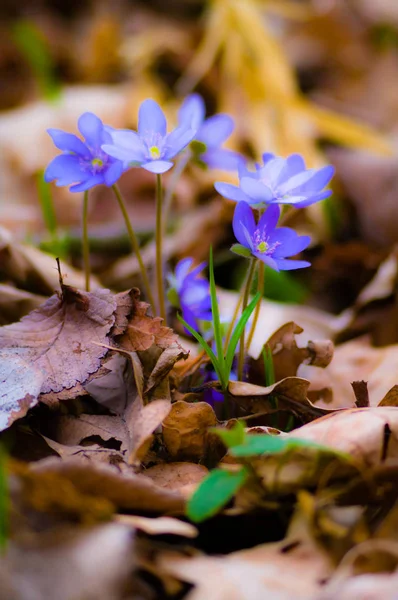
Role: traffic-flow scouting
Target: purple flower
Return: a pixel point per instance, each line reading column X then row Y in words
column 191, row 293
column 211, row 395
column 211, row 133
column 151, row 148
column 265, row 241
column 279, row 180
column 83, row 163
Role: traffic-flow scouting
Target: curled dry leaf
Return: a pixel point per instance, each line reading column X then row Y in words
column 356, row 360
column 181, row 476
column 260, row 572
column 159, row 525
column 287, row 356
column 92, row 562
column 291, row 392
column 369, row 435
column 126, row 490
column 185, row 430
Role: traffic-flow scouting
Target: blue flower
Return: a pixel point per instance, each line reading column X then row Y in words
column 211, row 133
column 83, row 163
column 211, row 395
column 192, row 293
column 151, row 148
column 279, row 180
column 265, row 241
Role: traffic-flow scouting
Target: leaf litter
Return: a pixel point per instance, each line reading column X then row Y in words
column 107, row 434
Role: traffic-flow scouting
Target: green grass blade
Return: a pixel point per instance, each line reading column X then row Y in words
column 47, row 205
column 269, row 372
column 216, row 319
column 238, row 332
column 214, row 492
column 34, row 47
column 206, row 348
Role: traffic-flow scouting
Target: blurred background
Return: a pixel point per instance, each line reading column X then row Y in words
column 318, row 77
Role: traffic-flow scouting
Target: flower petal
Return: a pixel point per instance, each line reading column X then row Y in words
column 269, row 219
column 257, row 191
column 129, row 140
column 290, row 265
column 66, row 169
column 310, row 181
column 272, row 171
column 270, row 262
column 151, row 118
column 302, row 201
column 232, row 192
column 220, row 158
column 113, row 172
column 88, row 183
column 177, row 140
column 290, row 242
column 215, row 130
column 267, row 156
column 182, row 270
column 244, row 224
column 157, row 166
column 91, row 128
column 192, row 112
column 68, row 142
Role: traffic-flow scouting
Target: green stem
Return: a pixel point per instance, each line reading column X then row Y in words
column 260, row 288
column 178, row 170
column 245, row 301
column 159, row 261
column 86, row 247
column 135, row 245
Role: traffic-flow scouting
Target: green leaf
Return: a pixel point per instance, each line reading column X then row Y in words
column 238, row 332
column 240, row 250
column 214, row 492
column 231, row 437
column 217, row 323
column 206, row 348
column 258, row 444
column 268, row 366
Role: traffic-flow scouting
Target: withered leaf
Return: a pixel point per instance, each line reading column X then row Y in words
column 57, row 338
column 142, row 422
column 181, row 476
column 124, row 489
column 185, row 430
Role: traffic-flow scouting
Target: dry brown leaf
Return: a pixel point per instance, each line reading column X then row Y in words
column 141, row 422
column 287, row 356
column 181, row 476
column 124, row 489
column 185, row 430
column 281, row 571
column 15, row 303
column 291, row 392
column 88, row 563
column 355, row 360
column 159, row 525
column 369, row 435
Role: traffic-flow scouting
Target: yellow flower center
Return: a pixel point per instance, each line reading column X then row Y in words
column 97, row 162
column 262, row 247
column 154, row 152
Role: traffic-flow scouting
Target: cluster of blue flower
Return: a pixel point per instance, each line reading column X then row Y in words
column 106, row 153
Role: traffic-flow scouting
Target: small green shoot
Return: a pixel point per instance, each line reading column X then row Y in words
column 57, row 245
column 222, row 364
column 34, row 47
column 214, row 492
column 231, row 437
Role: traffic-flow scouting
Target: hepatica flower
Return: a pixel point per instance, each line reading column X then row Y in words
column 151, row 148
column 83, row 163
column 279, row 180
column 190, row 292
column 210, row 134
column 266, row 242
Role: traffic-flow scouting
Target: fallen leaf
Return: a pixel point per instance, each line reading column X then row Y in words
column 185, row 430
column 159, row 525
column 125, row 490
column 181, row 476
